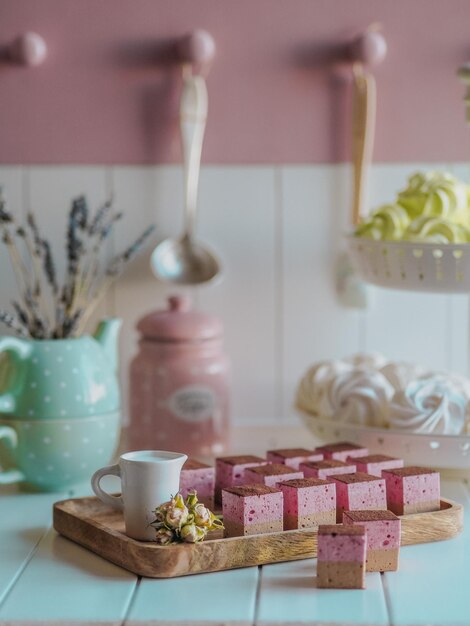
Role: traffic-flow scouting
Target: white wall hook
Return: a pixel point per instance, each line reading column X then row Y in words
column 197, row 49
column 28, row 49
column 369, row 49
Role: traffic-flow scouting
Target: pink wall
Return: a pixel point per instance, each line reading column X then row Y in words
column 274, row 97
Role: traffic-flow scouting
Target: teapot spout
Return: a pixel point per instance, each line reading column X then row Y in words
column 106, row 335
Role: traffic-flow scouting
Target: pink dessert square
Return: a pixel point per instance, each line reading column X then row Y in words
column 341, row 557
column 230, row 471
column 252, row 510
column 342, row 451
column 270, row 474
column 308, row 502
column 293, row 457
column 359, row 491
column 383, row 530
column 200, row 477
column 374, row 463
column 326, row 468
column 412, row 490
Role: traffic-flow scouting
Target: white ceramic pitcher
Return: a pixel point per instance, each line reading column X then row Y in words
column 149, row 478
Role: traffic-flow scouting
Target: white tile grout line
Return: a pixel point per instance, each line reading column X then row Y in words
column 449, row 333
column 28, row 558
column 387, row 598
column 17, row 575
column 362, row 319
column 25, row 192
column 279, row 289
column 110, row 192
column 130, row 604
column 257, row 595
column 467, row 359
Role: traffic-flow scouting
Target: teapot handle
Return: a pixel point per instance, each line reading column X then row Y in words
column 20, row 350
column 11, row 476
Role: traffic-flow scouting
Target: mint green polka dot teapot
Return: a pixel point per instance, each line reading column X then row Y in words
column 59, row 407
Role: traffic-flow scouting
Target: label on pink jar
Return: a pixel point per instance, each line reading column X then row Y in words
column 193, row 403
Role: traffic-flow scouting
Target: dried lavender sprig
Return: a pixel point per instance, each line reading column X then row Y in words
column 112, row 273
column 117, row 264
column 77, row 225
column 78, row 217
column 49, row 267
column 35, row 254
column 70, row 325
column 21, row 314
column 108, row 226
column 100, row 215
column 28, row 279
column 39, row 322
column 90, row 273
column 116, row 267
column 59, row 317
column 41, row 257
column 5, row 216
column 21, row 273
column 11, row 322
column 31, row 221
column 79, row 212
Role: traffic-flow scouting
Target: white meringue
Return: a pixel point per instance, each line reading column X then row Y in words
column 313, row 384
column 461, row 383
column 429, row 405
column 367, row 390
column 360, row 397
column 400, row 373
column 367, row 360
column 339, row 390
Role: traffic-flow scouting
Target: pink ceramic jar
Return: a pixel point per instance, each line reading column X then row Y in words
column 179, row 385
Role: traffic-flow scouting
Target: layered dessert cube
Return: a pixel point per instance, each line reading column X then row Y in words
column 374, row 463
column 326, row 468
column 342, row 451
column 383, row 537
column 359, row 491
column 270, row 474
column 341, row 557
column 200, row 477
column 412, row 490
column 230, row 471
column 252, row 510
column 308, row 502
column 293, row 457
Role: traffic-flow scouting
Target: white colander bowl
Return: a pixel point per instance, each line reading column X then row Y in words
column 431, row 267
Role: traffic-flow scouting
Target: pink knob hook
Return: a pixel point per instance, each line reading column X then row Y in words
column 29, row 49
column 197, row 48
column 370, row 48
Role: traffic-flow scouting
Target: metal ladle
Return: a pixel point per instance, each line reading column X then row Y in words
column 185, row 261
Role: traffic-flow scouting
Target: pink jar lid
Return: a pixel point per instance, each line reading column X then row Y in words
column 180, row 323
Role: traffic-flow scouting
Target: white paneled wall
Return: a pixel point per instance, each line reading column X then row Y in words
column 279, row 232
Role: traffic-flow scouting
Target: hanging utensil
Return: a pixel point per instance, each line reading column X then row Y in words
column 185, row 261
column 369, row 49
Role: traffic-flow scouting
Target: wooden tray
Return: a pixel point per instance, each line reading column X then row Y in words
column 99, row 528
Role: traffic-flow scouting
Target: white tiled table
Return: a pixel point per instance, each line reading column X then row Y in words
column 47, row 579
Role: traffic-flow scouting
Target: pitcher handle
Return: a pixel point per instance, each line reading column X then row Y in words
column 21, row 350
column 10, row 476
column 114, row 501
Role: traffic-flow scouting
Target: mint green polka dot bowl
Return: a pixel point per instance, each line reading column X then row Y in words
column 52, row 455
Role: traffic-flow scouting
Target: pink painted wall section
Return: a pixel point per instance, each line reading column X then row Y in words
column 105, row 96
